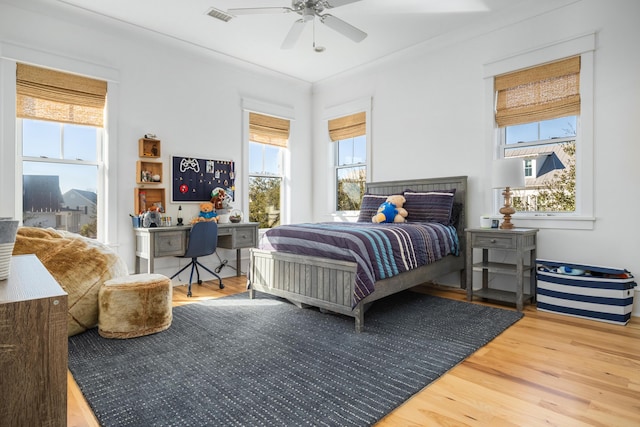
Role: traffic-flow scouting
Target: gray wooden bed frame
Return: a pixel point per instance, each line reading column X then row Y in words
column 329, row 284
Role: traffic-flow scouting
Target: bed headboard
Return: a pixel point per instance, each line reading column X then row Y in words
column 428, row 184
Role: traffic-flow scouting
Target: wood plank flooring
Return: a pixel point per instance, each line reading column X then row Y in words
column 546, row 370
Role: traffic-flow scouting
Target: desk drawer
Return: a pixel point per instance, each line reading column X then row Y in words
column 225, row 231
column 489, row 241
column 170, row 243
column 244, row 238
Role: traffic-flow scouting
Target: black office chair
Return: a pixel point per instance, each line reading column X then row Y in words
column 203, row 240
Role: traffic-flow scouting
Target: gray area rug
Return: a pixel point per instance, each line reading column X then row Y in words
column 264, row 362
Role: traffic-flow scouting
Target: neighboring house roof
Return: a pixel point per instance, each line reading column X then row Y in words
column 72, row 196
column 41, row 193
column 550, row 163
column 549, row 160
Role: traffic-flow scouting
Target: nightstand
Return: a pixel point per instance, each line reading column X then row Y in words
column 519, row 241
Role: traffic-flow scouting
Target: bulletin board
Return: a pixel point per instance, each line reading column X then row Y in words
column 193, row 179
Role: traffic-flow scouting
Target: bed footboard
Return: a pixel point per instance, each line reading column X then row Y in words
column 320, row 282
column 329, row 284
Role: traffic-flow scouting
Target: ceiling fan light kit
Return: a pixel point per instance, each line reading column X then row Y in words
column 308, row 10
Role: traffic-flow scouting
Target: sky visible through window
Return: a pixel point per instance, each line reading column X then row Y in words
column 264, row 159
column 41, row 139
column 352, row 150
column 547, row 129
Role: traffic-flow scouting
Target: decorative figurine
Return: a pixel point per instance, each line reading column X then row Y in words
column 179, row 217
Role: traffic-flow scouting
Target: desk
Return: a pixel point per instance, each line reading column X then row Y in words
column 156, row 242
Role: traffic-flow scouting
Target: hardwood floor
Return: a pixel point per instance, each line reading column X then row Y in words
column 546, row 370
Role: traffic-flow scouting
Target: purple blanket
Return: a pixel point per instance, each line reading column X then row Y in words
column 379, row 250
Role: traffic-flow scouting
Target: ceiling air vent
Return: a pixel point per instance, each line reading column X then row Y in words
column 218, row 14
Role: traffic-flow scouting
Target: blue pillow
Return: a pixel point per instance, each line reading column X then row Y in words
column 431, row 206
column 369, row 206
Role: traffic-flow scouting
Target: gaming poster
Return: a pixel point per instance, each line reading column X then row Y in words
column 193, row 179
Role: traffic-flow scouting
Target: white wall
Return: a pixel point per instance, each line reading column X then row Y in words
column 428, row 106
column 189, row 98
column 429, row 115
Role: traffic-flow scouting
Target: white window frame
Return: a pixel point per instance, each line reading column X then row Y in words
column 338, row 167
column 281, row 176
column 98, row 162
column 11, row 175
column 342, row 110
column 583, row 218
column 255, row 106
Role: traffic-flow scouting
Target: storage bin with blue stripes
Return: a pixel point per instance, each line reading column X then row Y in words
column 587, row 291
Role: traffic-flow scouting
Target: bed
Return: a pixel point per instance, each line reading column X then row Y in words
column 330, row 284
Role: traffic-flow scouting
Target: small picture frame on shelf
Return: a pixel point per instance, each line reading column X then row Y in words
column 495, row 223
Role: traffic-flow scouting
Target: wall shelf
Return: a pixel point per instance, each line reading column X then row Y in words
column 149, row 148
column 143, row 198
column 149, row 174
column 152, row 169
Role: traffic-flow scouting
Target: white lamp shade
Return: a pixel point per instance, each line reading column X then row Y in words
column 508, row 173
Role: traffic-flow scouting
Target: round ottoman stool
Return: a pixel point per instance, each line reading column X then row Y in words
column 135, row 305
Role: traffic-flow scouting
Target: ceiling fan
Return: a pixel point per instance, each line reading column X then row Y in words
column 308, row 10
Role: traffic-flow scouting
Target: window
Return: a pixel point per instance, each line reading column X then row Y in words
column 351, row 172
column 268, row 139
column 548, row 110
column 582, row 47
column 349, row 135
column 60, row 164
column 60, row 118
column 529, row 165
column 549, row 149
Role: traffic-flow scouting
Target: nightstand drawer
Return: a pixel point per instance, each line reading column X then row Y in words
column 489, row 241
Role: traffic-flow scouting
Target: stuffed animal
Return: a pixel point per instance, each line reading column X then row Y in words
column 219, row 198
column 207, row 213
column 391, row 210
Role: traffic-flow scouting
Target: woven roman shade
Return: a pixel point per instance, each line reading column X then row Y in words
column 348, row 126
column 268, row 130
column 540, row 93
column 45, row 94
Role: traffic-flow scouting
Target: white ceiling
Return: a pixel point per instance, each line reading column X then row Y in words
column 391, row 25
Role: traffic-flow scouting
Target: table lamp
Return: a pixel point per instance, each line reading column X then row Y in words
column 506, row 174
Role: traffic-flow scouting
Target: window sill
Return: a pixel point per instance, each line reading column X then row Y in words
column 554, row 222
column 345, row 216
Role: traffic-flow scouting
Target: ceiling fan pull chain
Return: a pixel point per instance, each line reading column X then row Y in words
column 318, row 49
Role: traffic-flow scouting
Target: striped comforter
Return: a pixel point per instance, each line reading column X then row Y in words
column 379, row 250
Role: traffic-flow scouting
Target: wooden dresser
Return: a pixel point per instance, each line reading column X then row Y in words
column 33, row 346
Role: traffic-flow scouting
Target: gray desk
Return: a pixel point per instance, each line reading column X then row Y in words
column 152, row 243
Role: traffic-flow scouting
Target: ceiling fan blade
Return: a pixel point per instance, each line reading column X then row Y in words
column 293, row 35
column 258, row 10
column 330, row 4
column 343, row 28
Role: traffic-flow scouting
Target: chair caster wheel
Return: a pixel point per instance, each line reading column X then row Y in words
column 199, row 282
column 221, row 286
column 189, row 294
